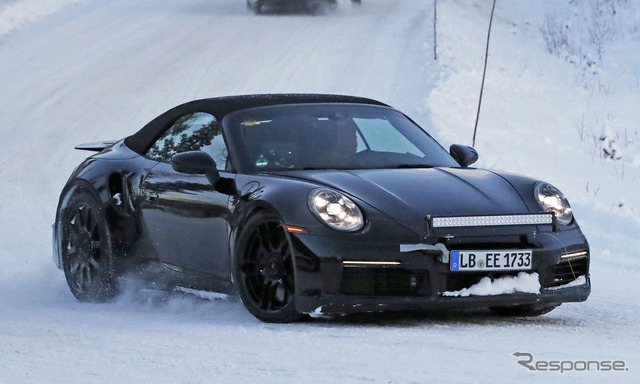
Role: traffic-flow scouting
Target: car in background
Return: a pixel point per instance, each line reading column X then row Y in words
column 260, row 6
column 313, row 205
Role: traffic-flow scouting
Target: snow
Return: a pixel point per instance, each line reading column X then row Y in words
column 523, row 282
column 203, row 294
column 117, row 198
column 581, row 280
column 16, row 13
column 90, row 70
column 317, row 313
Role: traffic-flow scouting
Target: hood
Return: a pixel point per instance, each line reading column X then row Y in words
column 408, row 195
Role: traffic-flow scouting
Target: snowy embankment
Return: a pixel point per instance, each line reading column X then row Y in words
column 100, row 70
column 16, row 13
column 560, row 104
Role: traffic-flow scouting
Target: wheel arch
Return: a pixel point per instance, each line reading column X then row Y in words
column 85, row 244
column 65, row 196
column 102, row 190
column 246, row 236
column 243, row 214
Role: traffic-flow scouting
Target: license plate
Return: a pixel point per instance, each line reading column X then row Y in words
column 505, row 260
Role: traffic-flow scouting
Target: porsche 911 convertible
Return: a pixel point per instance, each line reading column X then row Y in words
column 314, row 205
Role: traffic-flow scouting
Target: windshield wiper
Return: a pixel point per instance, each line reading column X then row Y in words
column 413, row 166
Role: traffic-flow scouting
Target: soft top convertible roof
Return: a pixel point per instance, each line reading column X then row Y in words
column 222, row 106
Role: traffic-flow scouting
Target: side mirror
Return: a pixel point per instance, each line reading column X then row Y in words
column 196, row 163
column 464, row 155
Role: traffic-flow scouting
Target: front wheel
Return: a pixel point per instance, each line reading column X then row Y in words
column 86, row 248
column 263, row 270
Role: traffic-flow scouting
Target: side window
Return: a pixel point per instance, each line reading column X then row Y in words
column 197, row 131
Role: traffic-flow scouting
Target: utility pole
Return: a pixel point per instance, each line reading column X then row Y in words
column 435, row 31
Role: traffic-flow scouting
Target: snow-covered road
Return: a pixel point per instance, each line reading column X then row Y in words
column 87, row 70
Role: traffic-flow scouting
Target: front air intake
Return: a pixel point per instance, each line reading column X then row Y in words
column 383, row 282
column 565, row 272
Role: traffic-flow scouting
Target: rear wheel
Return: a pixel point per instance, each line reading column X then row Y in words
column 86, row 249
column 524, row 310
column 256, row 7
column 263, row 270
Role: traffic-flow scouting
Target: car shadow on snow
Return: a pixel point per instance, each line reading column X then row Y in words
column 459, row 318
column 215, row 308
column 219, row 308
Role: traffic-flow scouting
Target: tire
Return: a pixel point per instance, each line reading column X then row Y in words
column 312, row 8
column 263, row 270
column 524, row 310
column 85, row 244
column 256, row 7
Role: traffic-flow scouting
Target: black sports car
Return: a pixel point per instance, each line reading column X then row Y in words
column 314, row 204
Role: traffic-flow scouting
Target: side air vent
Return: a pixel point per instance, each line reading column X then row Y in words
column 565, row 272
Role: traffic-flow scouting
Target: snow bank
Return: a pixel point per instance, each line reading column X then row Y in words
column 568, row 111
column 14, row 14
column 524, row 282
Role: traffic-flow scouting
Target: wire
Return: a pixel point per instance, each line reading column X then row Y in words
column 484, row 74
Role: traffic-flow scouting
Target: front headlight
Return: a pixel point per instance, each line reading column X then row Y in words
column 552, row 200
column 335, row 209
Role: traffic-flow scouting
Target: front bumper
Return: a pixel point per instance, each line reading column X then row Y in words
column 342, row 304
column 386, row 279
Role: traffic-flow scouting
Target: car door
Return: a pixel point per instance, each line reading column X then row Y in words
column 186, row 219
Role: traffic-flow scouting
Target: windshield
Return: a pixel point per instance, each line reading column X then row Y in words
column 331, row 136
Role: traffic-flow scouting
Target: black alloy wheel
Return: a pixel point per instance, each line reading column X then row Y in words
column 264, row 273
column 86, row 249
